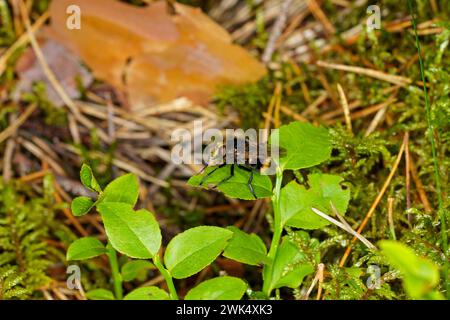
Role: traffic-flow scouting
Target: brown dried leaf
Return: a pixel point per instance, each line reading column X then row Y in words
column 151, row 54
column 65, row 65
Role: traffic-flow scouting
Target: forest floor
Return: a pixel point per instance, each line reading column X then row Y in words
column 391, row 143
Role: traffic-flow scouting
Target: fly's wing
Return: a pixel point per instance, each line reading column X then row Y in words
column 216, row 154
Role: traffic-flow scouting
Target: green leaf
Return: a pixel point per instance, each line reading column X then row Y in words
column 81, row 205
column 147, row 293
column 88, row 180
column 296, row 201
column 290, row 266
column 237, row 186
column 85, row 248
column 133, row 233
column 245, row 248
column 133, row 269
column 100, row 294
column 124, row 189
column 420, row 275
column 305, row 145
column 222, row 288
column 194, row 249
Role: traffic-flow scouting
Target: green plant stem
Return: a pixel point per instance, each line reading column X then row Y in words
column 167, row 276
column 277, row 231
column 437, row 176
column 117, row 278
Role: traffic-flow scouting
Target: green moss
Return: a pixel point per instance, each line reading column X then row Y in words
column 26, row 222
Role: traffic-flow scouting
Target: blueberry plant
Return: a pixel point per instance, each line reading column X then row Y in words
column 136, row 234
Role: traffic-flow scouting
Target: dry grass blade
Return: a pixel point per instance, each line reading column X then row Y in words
column 5, row 134
column 276, row 31
column 320, row 15
column 22, row 41
column 344, row 227
column 344, row 104
column 377, row 200
column 398, row 80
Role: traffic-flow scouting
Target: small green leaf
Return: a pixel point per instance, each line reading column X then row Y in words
column 124, row 189
column 81, row 205
column 85, row 248
column 245, row 248
column 420, row 275
column 88, row 180
column 237, row 186
column 194, row 249
column 100, row 294
column 296, row 201
column 305, row 145
column 222, row 288
column 290, row 266
column 147, row 293
column 133, row 269
column 133, row 233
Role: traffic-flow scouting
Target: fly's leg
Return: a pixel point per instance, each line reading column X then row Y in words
column 250, row 186
column 250, row 180
column 210, row 173
column 227, row 178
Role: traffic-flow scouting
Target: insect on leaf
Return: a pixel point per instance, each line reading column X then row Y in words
column 238, row 185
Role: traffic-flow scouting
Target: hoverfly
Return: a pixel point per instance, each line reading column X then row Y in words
column 242, row 152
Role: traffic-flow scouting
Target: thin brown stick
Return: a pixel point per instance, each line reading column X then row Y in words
column 375, row 121
column 7, row 157
column 317, row 278
column 40, row 154
column 320, row 273
column 376, row 202
column 5, row 134
column 40, row 56
column 276, row 31
column 67, row 212
column 434, row 6
column 311, row 108
column 22, row 41
column 271, row 106
column 344, row 104
column 398, row 80
column 407, row 174
column 391, row 217
column 364, row 112
column 326, row 85
column 276, row 113
column 320, row 15
column 34, row 176
column 52, row 77
column 286, row 110
column 419, row 185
